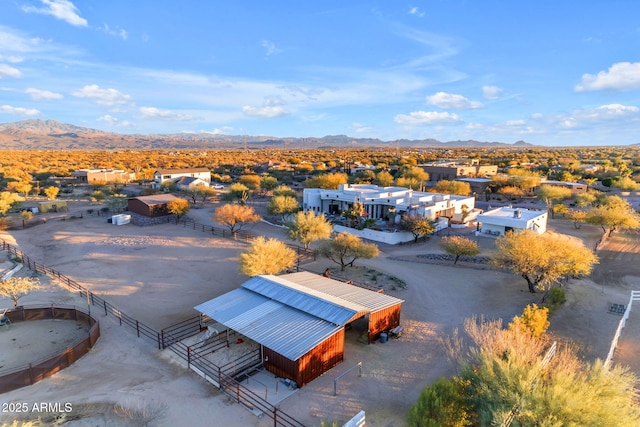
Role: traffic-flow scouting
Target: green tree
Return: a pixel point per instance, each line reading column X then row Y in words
column 345, row 248
column 614, row 213
column 8, row 201
column 168, row 185
column 307, row 227
column 205, row 192
column 384, row 179
column 235, row 217
column 283, row 190
column 282, row 205
column 178, row 207
column 459, row 246
column 505, row 378
column 328, row 181
column 542, row 259
column 23, row 187
column 625, row 184
column 15, row 288
column 98, row 196
column 117, row 202
column 578, row 217
column 442, row 404
column 534, row 320
column 452, row 187
column 413, row 172
column 550, row 194
column 266, row 256
column 585, row 199
column 252, row 182
column 51, row 192
column 268, row 183
column 237, row 192
column 419, row 226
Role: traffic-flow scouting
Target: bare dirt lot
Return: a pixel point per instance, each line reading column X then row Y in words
column 157, row 274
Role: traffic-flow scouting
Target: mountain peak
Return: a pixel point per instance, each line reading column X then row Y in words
column 46, row 127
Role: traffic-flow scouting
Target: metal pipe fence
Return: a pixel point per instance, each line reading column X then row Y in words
column 169, row 338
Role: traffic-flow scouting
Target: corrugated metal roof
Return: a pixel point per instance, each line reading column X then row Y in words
column 337, row 292
column 156, row 199
column 286, row 330
column 289, row 293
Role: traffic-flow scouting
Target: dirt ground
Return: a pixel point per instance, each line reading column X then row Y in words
column 158, row 274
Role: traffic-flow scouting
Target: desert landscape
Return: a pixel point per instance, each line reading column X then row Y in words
column 158, row 274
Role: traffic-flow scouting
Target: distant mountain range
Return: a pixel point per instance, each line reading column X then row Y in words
column 37, row 134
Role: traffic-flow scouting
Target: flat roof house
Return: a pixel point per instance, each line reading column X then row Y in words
column 103, row 175
column 386, row 202
column 299, row 320
column 451, row 170
column 499, row 221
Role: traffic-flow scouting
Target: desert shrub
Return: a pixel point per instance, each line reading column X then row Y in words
column 555, row 298
column 534, row 320
column 440, row 405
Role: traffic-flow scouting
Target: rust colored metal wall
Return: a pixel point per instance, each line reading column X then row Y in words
column 29, row 374
column 383, row 320
column 310, row 366
column 135, row 205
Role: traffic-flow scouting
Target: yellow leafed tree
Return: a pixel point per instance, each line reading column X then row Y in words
column 266, row 256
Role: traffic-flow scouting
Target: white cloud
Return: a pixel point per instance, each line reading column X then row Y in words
column 491, row 92
column 11, row 58
column 269, row 111
column 157, row 113
column 114, row 121
column 414, row 10
column 109, row 97
column 618, row 109
column 620, row 76
column 361, row 128
column 19, row 111
column 43, row 95
column 449, row 101
column 61, row 9
column 270, row 47
column 426, row 117
column 8, row 71
column 224, row 130
column 116, row 32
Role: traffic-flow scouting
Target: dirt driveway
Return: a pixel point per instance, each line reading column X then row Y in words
column 157, row 274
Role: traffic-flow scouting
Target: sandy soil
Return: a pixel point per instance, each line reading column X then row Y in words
column 157, row 274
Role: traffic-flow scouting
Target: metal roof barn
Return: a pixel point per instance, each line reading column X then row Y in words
column 299, row 319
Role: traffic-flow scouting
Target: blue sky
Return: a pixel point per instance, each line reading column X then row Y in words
column 546, row 72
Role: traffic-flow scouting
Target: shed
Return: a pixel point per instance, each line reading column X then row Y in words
column 53, row 206
column 151, row 206
column 299, row 319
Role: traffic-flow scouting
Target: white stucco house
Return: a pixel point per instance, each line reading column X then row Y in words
column 498, row 221
column 174, row 174
column 388, row 203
